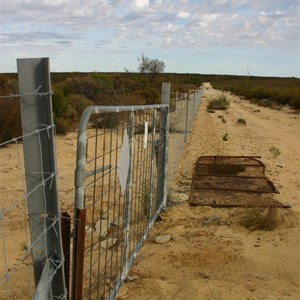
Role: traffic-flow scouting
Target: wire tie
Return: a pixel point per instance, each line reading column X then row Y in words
column 55, row 229
column 7, row 276
column 25, row 197
column 48, row 133
column 52, row 178
column 38, row 88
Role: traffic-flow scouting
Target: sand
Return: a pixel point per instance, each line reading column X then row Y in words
column 214, row 253
column 217, row 253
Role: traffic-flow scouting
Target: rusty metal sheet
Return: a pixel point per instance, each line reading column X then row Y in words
column 232, row 181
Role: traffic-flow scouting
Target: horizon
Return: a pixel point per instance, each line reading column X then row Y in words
column 215, row 37
column 162, row 73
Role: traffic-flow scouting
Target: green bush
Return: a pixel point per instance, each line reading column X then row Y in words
column 295, row 102
column 62, row 125
column 59, row 102
column 105, row 120
column 241, row 121
column 10, row 119
column 264, row 91
column 225, row 137
column 220, row 103
column 79, row 103
column 257, row 93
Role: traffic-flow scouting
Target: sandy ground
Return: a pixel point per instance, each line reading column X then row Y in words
column 212, row 255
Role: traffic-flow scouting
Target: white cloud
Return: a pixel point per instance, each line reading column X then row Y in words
column 160, row 24
column 140, row 4
column 183, row 15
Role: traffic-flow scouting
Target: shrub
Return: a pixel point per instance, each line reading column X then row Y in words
column 10, row 119
column 257, row 93
column 150, row 94
column 79, row 103
column 241, row 121
column 225, row 137
column 295, row 102
column 59, row 102
column 211, row 111
column 62, row 125
column 260, row 218
column 275, row 151
column 105, row 120
column 220, row 103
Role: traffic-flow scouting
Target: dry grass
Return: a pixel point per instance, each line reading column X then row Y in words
column 261, row 218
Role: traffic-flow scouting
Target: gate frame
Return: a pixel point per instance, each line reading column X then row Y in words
column 80, row 175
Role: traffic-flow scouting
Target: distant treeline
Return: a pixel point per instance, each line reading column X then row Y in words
column 75, row 91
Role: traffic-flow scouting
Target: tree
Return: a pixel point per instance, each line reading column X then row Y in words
column 150, row 66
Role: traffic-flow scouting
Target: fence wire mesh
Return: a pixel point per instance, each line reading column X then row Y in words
column 183, row 108
column 115, row 209
column 123, row 171
column 35, row 93
column 16, row 246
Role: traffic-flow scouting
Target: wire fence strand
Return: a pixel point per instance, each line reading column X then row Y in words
column 118, row 219
column 35, row 93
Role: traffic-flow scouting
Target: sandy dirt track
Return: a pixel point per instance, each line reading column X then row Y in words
column 212, row 254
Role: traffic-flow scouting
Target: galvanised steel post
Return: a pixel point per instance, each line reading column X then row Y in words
column 152, row 165
column 176, row 107
column 165, row 93
column 163, row 147
column 194, row 106
column 186, row 117
column 40, row 164
column 126, row 264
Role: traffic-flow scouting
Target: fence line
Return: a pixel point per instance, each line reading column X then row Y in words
column 120, row 188
column 183, row 108
column 35, row 93
column 120, row 161
column 11, row 212
column 39, row 206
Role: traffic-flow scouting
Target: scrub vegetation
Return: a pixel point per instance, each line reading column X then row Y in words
column 264, row 91
column 75, row 91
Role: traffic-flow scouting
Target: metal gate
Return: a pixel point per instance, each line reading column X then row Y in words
column 120, row 181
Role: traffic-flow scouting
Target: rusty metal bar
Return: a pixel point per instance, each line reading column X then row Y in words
column 233, row 190
column 240, row 164
column 66, row 240
column 229, row 156
column 228, row 176
column 79, row 240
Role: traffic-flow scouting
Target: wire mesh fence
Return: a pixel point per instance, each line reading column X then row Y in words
column 120, row 188
column 32, row 263
column 121, row 165
column 17, row 244
column 183, row 108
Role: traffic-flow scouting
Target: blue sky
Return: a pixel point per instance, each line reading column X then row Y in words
column 190, row 36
